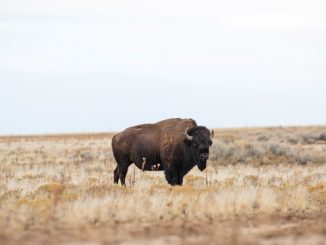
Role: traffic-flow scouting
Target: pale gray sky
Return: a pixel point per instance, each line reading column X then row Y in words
column 73, row 65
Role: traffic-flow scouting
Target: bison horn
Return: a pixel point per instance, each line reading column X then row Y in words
column 212, row 134
column 188, row 137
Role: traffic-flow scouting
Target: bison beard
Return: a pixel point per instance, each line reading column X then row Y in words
column 173, row 145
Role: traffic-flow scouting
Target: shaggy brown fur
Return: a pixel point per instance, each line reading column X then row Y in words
column 161, row 146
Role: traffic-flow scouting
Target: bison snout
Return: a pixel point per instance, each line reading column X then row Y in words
column 203, row 157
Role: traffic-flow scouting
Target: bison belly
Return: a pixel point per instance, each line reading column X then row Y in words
column 144, row 156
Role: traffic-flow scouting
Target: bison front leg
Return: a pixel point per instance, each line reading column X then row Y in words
column 172, row 176
column 180, row 179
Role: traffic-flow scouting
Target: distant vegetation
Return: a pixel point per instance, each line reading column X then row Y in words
column 261, row 146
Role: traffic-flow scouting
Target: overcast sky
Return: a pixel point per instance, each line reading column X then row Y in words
column 75, row 66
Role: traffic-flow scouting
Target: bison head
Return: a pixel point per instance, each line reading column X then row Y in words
column 199, row 139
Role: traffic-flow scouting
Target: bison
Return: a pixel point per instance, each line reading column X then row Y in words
column 174, row 145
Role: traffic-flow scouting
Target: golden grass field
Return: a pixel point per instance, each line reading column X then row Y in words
column 262, row 186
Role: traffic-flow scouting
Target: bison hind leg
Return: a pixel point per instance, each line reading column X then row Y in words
column 122, row 168
column 116, row 175
column 122, row 173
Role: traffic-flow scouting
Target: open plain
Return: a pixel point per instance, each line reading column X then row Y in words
column 261, row 186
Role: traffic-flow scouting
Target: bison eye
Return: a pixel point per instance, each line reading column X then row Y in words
column 194, row 143
column 210, row 142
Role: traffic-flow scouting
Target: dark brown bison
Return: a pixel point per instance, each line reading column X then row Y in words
column 173, row 145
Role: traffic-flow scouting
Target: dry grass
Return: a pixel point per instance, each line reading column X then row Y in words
column 263, row 185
